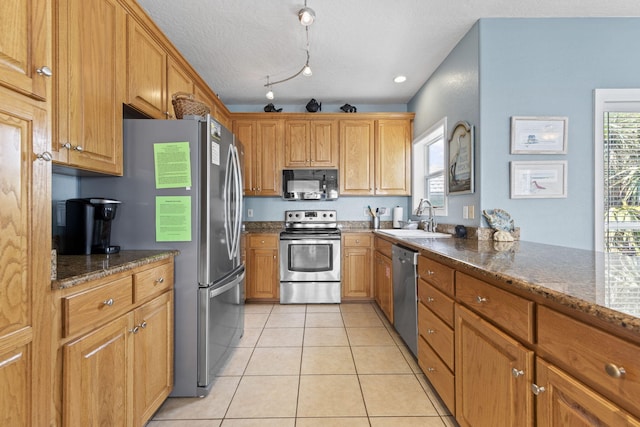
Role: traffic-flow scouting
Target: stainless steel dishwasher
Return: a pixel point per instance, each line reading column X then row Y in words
column 405, row 297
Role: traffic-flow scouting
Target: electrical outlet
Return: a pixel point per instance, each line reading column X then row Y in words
column 249, row 213
column 472, row 211
column 465, row 212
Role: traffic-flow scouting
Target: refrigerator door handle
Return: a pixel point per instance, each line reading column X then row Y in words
column 222, row 289
column 237, row 175
column 228, row 192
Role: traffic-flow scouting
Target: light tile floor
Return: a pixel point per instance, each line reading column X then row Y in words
column 316, row 365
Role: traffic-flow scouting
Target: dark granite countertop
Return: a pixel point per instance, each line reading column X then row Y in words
column 76, row 269
column 606, row 286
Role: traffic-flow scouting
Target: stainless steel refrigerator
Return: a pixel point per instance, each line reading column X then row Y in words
column 182, row 189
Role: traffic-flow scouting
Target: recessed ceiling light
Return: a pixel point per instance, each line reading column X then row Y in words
column 400, row 79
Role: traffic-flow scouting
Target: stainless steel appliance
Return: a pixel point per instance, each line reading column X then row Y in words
column 310, row 258
column 310, row 184
column 405, row 296
column 182, row 189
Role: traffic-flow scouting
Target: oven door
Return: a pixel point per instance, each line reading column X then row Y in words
column 309, row 260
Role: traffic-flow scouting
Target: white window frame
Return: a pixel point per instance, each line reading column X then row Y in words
column 618, row 100
column 427, row 139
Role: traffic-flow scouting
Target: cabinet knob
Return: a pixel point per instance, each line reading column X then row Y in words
column 480, row 299
column 108, row 302
column 430, row 273
column 78, row 148
column 431, row 331
column 429, row 299
column 134, row 330
column 66, row 145
column 143, row 324
column 45, row 156
column 431, row 369
column 358, row 241
column 516, row 372
column 537, row 389
column 614, row 371
column 160, row 280
column 44, row 71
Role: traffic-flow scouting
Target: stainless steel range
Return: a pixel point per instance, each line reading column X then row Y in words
column 310, row 258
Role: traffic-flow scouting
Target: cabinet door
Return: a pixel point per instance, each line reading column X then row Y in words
column 25, row 283
column 383, row 284
column 97, row 377
column 177, row 81
column 268, row 169
column 245, row 131
column 566, row 402
column 89, row 89
column 153, row 356
column 263, row 275
column 297, row 138
column 146, row 71
column 393, row 157
column 25, row 47
column 324, row 144
column 356, row 273
column 203, row 96
column 493, row 373
column 356, row 157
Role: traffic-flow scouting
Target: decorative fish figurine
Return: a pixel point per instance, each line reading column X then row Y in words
column 499, row 219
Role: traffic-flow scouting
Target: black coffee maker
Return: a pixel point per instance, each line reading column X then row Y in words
column 88, row 226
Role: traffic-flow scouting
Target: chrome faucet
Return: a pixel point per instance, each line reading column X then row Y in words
column 429, row 224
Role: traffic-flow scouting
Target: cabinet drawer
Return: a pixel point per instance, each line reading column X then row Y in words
column 383, row 246
column 436, row 333
column 439, row 275
column 585, row 351
column 264, row 241
column 89, row 309
column 153, row 281
column 511, row 312
column 436, row 301
column 359, row 240
column 440, row 377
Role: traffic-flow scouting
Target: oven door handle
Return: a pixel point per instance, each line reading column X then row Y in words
column 309, row 241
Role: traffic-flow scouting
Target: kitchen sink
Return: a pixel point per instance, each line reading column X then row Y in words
column 414, row 233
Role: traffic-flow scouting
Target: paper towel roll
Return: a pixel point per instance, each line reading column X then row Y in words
column 397, row 217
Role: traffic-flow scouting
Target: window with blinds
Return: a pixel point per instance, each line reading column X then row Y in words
column 622, row 182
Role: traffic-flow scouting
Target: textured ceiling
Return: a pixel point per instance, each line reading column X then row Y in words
column 356, row 46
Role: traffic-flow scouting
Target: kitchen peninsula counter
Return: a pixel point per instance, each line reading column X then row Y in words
column 73, row 270
column 593, row 284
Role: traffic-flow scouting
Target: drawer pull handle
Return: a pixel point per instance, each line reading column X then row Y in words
column 517, row 372
column 537, row 389
column 481, row 299
column 160, row 280
column 143, row 324
column 431, row 369
column 108, row 302
column 614, row 371
column 134, row 330
column 431, row 331
column 429, row 299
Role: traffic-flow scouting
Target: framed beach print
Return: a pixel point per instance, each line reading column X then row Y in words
column 460, row 172
column 539, row 135
column 539, row 180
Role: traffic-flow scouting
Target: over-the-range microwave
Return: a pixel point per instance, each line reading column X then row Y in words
column 310, row 184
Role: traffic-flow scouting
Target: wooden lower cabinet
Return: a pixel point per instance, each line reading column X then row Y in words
column 263, row 267
column 356, row 266
column 493, row 374
column 383, row 284
column 563, row 401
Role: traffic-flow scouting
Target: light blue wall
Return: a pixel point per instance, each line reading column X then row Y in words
column 349, row 208
column 537, row 67
column 326, row 108
column 453, row 92
column 550, row 67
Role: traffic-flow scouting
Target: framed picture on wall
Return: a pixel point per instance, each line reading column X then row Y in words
column 539, row 180
column 460, row 174
column 539, row 135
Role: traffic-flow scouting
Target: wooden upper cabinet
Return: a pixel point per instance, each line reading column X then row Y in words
column 25, row 46
column 356, row 157
column 146, row 71
column 311, row 143
column 25, row 285
column 261, row 155
column 178, row 80
column 89, row 87
column 393, row 157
